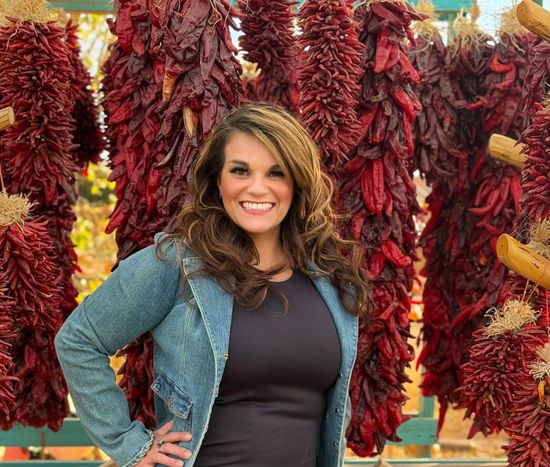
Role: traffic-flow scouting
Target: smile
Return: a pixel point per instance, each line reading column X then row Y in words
column 256, row 206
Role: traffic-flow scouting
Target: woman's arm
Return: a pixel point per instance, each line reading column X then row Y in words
column 133, row 300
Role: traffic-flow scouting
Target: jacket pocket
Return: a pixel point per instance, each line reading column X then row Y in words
column 177, row 402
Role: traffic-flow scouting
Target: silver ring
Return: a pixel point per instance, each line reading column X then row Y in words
column 160, row 443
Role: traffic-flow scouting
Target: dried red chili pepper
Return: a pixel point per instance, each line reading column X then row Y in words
column 378, row 192
column 329, row 75
column 268, row 41
column 170, row 76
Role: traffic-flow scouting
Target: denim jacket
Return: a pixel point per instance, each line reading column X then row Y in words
column 191, row 340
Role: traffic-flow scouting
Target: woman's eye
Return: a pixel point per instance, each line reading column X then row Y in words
column 238, row 171
column 277, row 173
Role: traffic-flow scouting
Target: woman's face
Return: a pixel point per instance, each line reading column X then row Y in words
column 255, row 193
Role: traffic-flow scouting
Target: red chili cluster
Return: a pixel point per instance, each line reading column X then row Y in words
column 380, row 196
column 35, row 77
column 268, row 40
column 7, row 334
column 496, row 368
column 529, row 425
column 443, row 160
column 454, row 297
column 38, row 161
column 497, row 186
column 131, row 95
column 538, row 75
column 329, row 76
column 535, row 200
column 170, row 77
column 436, row 154
column 87, row 137
column 33, row 286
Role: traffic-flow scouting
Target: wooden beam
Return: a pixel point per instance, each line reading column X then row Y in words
column 7, row 117
column 507, row 150
column 523, row 261
column 535, row 18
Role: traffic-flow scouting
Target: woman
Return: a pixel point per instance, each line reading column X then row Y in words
column 252, row 300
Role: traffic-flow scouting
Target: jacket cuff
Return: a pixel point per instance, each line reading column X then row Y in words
column 145, row 448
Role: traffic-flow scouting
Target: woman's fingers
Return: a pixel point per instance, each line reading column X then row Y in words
column 160, row 458
column 164, row 429
column 177, row 436
column 170, row 448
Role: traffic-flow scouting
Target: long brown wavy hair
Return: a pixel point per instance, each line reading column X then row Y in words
column 308, row 233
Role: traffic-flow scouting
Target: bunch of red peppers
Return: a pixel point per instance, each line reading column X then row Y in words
column 456, row 295
column 379, row 193
column 496, row 206
column 170, row 76
column 7, row 334
column 87, row 138
column 38, row 161
column 268, row 41
column 329, row 76
column 31, row 282
column 443, row 160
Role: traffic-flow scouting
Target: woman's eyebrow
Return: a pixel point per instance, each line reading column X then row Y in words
column 237, row 161
column 245, row 164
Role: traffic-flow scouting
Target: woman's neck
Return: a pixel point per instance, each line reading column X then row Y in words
column 270, row 252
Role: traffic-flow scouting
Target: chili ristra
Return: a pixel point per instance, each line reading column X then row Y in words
column 170, row 76
column 529, row 422
column 496, row 368
column 268, row 41
column 38, row 161
column 329, row 77
column 87, row 137
column 32, row 282
column 452, row 298
column 496, row 201
column 379, row 195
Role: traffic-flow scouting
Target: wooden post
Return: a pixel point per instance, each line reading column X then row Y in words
column 535, row 18
column 523, row 260
column 507, row 150
column 7, row 117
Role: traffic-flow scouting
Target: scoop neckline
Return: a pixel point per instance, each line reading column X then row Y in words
column 283, row 281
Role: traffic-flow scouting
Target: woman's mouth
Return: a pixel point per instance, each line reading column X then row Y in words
column 256, row 208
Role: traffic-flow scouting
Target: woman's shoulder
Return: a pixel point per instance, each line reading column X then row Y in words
column 164, row 256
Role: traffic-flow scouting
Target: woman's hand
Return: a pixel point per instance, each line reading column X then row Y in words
column 164, row 443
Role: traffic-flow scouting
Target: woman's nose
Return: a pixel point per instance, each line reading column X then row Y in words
column 258, row 186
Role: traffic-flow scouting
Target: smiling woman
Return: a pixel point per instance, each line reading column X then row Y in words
column 252, row 300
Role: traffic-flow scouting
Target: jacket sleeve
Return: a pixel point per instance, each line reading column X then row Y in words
column 133, row 300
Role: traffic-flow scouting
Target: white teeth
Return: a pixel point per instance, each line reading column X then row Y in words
column 258, row 206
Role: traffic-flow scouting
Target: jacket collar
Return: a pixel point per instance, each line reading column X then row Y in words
column 216, row 306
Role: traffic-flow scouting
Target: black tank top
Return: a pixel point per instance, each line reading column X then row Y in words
column 272, row 394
